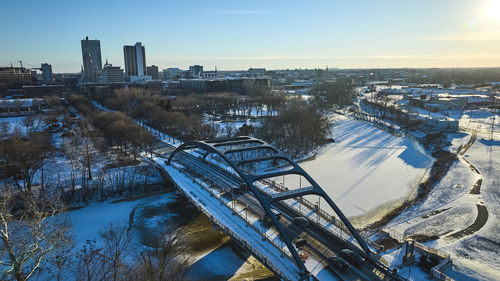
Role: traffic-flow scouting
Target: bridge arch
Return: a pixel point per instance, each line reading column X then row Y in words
column 224, row 146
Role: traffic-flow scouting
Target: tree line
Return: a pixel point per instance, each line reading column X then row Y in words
column 333, row 94
column 117, row 128
column 295, row 126
column 297, row 129
column 180, row 117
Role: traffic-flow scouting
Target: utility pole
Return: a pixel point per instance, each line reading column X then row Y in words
column 493, row 96
column 430, row 99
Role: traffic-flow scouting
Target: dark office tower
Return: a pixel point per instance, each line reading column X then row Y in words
column 89, row 74
column 152, row 71
column 46, row 72
column 135, row 60
column 196, row 70
column 92, row 64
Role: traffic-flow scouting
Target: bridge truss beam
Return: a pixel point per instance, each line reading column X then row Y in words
column 244, row 144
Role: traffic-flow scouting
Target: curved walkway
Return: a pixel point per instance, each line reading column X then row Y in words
column 482, row 211
column 473, row 196
column 479, row 222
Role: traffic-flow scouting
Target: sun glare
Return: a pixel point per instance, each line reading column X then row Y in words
column 494, row 10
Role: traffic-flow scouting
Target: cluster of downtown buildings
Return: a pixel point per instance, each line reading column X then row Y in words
column 94, row 74
column 137, row 72
column 135, row 65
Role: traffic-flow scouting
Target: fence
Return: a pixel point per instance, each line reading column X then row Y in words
column 312, row 206
column 436, row 270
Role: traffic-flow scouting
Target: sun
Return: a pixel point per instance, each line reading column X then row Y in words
column 493, row 10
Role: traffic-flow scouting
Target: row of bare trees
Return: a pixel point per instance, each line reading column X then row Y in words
column 256, row 99
column 330, row 94
column 116, row 257
column 156, row 111
column 181, row 117
column 381, row 110
column 298, row 128
column 117, row 128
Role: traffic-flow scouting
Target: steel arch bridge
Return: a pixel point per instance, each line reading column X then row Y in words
column 228, row 148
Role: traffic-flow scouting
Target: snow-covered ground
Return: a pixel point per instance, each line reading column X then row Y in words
column 253, row 112
column 367, row 169
column 476, row 256
column 88, row 221
column 227, row 128
column 410, row 273
column 479, row 120
column 452, row 214
column 15, row 123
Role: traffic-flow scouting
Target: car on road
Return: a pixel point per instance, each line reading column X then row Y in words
column 351, row 256
column 338, row 263
column 301, row 222
column 301, row 243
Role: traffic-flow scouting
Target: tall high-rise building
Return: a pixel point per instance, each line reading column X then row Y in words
column 46, row 72
column 135, row 60
column 92, row 64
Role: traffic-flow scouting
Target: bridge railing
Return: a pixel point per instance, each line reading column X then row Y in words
column 205, row 186
column 312, row 206
column 218, row 162
column 236, row 236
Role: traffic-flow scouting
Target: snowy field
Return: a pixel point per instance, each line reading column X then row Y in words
column 483, row 121
column 15, row 123
column 451, row 211
column 367, row 168
column 88, row 221
column 476, row 256
column 228, row 127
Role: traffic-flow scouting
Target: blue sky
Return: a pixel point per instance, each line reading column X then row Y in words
column 240, row 34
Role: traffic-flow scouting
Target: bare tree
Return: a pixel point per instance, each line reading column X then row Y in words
column 163, row 262
column 29, row 233
column 60, row 264
column 90, row 151
column 90, row 264
column 116, row 247
column 29, row 122
column 26, row 156
column 4, row 129
column 71, row 150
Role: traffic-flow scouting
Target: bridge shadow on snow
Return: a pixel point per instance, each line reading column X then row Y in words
column 220, row 264
column 490, row 142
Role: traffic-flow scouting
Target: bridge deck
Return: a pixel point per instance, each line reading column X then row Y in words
column 251, row 239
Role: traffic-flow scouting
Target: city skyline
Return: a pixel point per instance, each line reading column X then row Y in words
column 239, row 35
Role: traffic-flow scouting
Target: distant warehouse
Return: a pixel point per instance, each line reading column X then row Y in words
column 236, row 85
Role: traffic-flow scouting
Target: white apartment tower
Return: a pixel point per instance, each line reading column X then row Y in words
column 135, row 60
